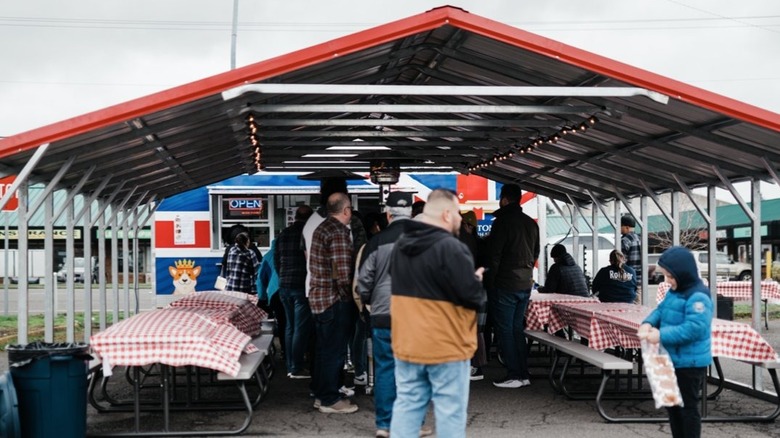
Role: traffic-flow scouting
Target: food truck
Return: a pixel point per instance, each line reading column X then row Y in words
column 189, row 229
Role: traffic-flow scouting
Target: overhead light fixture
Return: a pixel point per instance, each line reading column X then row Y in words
column 324, row 162
column 329, row 155
column 357, row 148
column 385, row 171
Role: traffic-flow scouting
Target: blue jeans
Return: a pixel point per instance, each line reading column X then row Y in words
column 447, row 384
column 331, row 328
column 384, row 377
column 509, row 309
column 357, row 347
column 297, row 328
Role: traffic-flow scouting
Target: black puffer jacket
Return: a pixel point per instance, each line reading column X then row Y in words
column 565, row 277
column 511, row 250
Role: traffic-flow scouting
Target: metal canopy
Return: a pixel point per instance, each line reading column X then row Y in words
column 444, row 90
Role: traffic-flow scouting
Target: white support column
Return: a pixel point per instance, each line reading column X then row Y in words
column 541, row 213
column 88, row 269
column 712, row 227
column 647, row 297
column 676, row 229
column 22, row 254
column 755, row 199
column 102, row 302
column 70, row 284
column 50, row 282
column 125, row 261
column 115, row 265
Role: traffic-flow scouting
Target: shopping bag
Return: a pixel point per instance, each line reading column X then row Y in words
column 221, row 283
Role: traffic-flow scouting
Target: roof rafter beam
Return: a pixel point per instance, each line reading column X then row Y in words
column 462, row 109
column 443, row 90
column 364, row 134
column 523, row 123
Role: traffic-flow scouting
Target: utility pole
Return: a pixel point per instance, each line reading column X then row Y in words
column 233, row 36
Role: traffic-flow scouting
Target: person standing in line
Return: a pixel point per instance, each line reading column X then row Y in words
column 330, row 299
column 682, row 323
column 357, row 334
column 564, row 276
column 374, row 286
column 267, row 285
column 291, row 264
column 615, row 283
column 436, row 293
column 631, row 247
column 512, row 251
column 242, row 264
column 468, row 235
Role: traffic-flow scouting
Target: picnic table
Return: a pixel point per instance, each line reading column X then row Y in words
column 539, row 311
column 208, row 330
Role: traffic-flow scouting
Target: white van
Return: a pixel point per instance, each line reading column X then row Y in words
column 584, row 256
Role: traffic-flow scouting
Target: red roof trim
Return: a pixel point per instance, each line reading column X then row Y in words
column 378, row 35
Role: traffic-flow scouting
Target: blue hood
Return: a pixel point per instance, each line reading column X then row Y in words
column 679, row 262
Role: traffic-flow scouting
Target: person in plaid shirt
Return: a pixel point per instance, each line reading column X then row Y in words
column 242, row 266
column 631, row 246
column 290, row 261
column 330, row 299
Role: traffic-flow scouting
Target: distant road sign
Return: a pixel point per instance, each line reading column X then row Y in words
column 5, row 185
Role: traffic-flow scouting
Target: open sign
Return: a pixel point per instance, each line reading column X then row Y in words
column 246, row 204
column 244, row 208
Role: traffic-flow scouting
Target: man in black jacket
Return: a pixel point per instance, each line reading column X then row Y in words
column 564, row 276
column 512, row 251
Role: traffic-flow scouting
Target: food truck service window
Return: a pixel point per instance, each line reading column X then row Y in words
column 250, row 210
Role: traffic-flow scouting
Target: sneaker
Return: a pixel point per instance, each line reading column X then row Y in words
column 361, row 379
column 317, row 403
column 476, row 373
column 511, row 383
column 340, row 407
column 426, row 430
column 382, row 433
column 302, row 374
column 347, row 392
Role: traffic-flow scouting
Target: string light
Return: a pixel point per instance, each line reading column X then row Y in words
column 256, row 147
column 538, row 142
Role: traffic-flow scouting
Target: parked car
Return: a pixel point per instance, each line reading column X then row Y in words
column 78, row 271
column 726, row 267
column 653, row 276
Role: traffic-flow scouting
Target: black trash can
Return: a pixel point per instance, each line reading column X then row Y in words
column 725, row 307
column 51, row 385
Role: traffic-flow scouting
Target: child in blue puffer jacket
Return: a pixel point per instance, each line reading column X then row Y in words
column 682, row 323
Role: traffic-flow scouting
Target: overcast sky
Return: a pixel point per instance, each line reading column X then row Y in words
column 64, row 58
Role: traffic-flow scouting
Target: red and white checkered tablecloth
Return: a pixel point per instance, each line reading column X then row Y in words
column 738, row 290
column 735, row 340
column 176, row 336
column 236, row 308
column 581, row 316
column 539, row 311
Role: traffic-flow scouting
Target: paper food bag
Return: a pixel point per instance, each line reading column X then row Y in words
column 660, row 374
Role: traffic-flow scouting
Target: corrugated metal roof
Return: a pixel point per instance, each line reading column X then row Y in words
column 189, row 136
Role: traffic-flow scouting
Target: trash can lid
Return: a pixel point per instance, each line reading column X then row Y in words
column 19, row 355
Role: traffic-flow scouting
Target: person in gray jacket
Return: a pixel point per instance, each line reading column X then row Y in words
column 374, row 287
